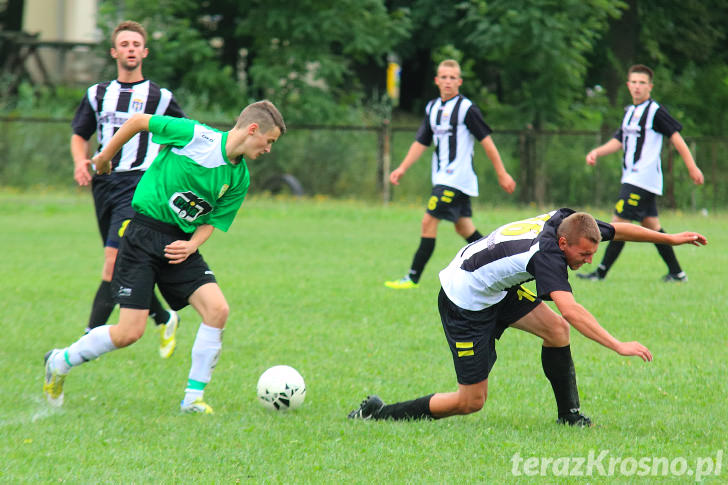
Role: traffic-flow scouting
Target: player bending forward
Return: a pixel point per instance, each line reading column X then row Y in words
column 481, row 296
column 196, row 184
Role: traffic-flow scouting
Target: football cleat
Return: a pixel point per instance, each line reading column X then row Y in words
column 575, row 418
column 53, row 382
column 680, row 277
column 593, row 276
column 368, row 409
column 404, row 284
column 197, row 406
column 167, row 335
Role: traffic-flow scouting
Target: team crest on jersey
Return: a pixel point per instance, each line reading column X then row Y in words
column 223, row 190
column 188, row 206
column 137, row 105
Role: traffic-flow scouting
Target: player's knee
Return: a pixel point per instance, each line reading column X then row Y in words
column 471, row 403
column 219, row 312
column 558, row 332
column 127, row 336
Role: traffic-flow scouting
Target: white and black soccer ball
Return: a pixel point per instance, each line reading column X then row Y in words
column 281, row 388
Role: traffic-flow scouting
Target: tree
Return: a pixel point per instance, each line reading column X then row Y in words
column 301, row 55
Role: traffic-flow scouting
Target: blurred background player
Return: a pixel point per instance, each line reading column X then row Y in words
column 104, row 109
column 644, row 125
column 196, row 184
column 453, row 122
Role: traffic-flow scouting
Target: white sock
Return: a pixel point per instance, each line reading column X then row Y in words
column 89, row 347
column 205, row 353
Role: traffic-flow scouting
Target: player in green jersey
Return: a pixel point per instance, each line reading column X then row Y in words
column 196, row 184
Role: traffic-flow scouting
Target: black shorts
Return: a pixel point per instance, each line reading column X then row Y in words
column 112, row 199
column 472, row 334
column 635, row 203
column 141, row 263
column 448, row 203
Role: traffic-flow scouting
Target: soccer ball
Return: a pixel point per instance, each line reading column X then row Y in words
column 281, row 388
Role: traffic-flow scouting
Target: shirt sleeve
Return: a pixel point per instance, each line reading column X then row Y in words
column 84, row 121
column 606, row 229
column 664, row 123
column 476, row 124
column 167, row 130
column 618, row 135
column 549, row 269
column 174, row 109
column 424, row 134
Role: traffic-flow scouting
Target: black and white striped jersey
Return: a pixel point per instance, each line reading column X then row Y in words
column 482, row 272
column 108, row 105
column 453, row 125
column 641, row 135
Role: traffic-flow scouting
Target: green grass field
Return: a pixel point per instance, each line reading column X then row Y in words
column 304, row 280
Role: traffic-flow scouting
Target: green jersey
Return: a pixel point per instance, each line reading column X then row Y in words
column 191, row 182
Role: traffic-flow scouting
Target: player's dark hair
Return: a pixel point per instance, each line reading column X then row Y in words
column 264, row 113
column 131, row 26
column 641, row 69
column 578, row 225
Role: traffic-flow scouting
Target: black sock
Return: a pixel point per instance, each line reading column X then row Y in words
column 415, row 409
column 559, row 369
column 157, row 311
column 474, row 237
column 422, row 256
column 610, row 256
column 102, row 306
column 668, row 255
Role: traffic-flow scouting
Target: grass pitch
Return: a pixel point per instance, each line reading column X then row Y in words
column 305, row 279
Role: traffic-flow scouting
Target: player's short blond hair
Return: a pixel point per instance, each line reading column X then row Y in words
column 451, row 63
column 578, row 225
column 264, row 113
column 130, row 26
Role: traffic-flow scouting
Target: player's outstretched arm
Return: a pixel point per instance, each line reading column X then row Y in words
column 682, row 148
column 581, row 319
column 609, row 147
column 132, row 126
column 625, row 231
column 413, row 154
column 504, row 178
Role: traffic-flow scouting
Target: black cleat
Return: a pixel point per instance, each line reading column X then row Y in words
column 368, row 409
column 680, row 277
column 593, row 276
column 575, row 418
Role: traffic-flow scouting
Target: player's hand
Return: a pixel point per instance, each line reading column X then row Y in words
column 693, row 238
column 591, row 158
column 179, row 250
column 697, row 175
column 81, row 172
column 396, row 175
column 636, row 349
column 102, row 166
column 506, row 182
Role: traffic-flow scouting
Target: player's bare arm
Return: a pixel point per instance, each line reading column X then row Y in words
column 608, row 148
column 504, row 178
column 180, row 250
column 413, row 154
column 81, row 160
column 682, row 148
column 625, row 231
column 581, row 319
column 132, row 126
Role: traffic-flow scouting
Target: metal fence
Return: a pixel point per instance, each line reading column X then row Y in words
column 354, row 162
